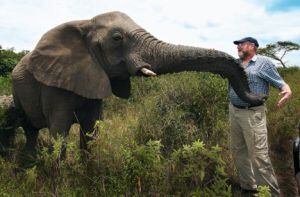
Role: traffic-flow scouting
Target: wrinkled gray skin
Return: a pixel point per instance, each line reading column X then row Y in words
column 77, row 64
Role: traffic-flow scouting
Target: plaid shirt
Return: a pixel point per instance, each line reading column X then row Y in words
column 261, row 72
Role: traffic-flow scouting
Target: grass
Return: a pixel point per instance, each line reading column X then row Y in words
column 162, row 141
column 5, row 85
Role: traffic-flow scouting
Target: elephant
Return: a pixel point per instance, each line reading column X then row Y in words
column 77, row 64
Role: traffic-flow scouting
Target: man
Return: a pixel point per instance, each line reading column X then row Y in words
column 248, row 123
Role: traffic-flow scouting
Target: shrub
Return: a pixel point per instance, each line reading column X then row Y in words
column 9, row 59
column 5, row 85
column 165, row 140
column 194, row 169
column 144, row 169
column 189, row 107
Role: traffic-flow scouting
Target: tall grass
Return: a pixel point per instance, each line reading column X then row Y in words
column 5, row 85
column 169, row 138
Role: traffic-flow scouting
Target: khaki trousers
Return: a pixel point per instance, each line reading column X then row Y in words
column 249, row 146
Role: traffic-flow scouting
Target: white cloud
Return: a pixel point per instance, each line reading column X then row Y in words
column 212, row 24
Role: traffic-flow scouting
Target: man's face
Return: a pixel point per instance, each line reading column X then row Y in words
column 245, row 49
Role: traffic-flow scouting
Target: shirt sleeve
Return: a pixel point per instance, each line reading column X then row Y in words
column 269, row 73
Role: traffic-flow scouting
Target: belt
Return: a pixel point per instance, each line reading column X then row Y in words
column 246, row 107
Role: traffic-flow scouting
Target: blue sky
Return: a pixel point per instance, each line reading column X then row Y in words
column 209, row 24
column 284, row 5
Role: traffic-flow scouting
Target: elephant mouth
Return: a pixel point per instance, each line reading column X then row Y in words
column 137, row 66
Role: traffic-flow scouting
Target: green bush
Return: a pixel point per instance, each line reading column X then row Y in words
column 194, row 169
column 189, row 107
column 153, row 144
column 264, row 191
column 144, row 169
column 9, row 59
column 5, row 85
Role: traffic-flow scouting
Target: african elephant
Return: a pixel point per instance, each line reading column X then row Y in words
column 77, row 64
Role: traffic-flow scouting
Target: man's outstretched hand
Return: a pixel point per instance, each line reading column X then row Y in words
column 285, row 92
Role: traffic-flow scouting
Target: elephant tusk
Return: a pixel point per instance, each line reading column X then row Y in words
column 148, row 72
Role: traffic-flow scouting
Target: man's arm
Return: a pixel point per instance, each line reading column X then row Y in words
column 285, row 92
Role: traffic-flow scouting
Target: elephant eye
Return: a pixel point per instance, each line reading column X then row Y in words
column 117, row 36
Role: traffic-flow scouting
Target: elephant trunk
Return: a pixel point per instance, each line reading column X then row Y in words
column 168, row 58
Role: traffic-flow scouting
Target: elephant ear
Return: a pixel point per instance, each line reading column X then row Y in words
column 121, row 87
column 62, row 59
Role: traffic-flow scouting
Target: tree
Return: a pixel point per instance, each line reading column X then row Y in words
column 9, row 59
column 278, row 50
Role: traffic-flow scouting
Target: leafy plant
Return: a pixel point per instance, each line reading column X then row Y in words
column 9, row 59
column 264, row 191
column 168, row 139
column 144, row 168
column 196, row 169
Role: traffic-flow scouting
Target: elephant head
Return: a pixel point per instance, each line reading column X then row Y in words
column 94, row 58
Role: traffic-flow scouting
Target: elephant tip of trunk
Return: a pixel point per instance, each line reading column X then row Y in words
column 256, row 99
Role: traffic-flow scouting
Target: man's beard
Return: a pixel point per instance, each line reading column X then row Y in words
column 243, row 54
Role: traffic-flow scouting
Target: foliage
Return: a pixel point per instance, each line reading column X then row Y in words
column 144, row 169
column 168, row 139
column 5, row 85
column 175, row 114
column 278, row 50
column 197, row 170
column 264, row 191
column 9, row 59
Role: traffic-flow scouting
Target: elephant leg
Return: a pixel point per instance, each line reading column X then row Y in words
column 6, row 138
column 28, row 154
column 60, row 122
column 86, row 117
column 31, row 134
column 58, row 108
column 13, row 119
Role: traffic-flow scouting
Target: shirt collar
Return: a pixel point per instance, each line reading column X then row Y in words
column 254, row 58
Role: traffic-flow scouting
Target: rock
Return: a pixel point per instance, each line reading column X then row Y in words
column 6, row 101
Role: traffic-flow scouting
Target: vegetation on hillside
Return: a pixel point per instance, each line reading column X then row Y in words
column 169, row 138
column 8, row 59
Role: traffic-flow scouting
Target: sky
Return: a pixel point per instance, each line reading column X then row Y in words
column 209, row 24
